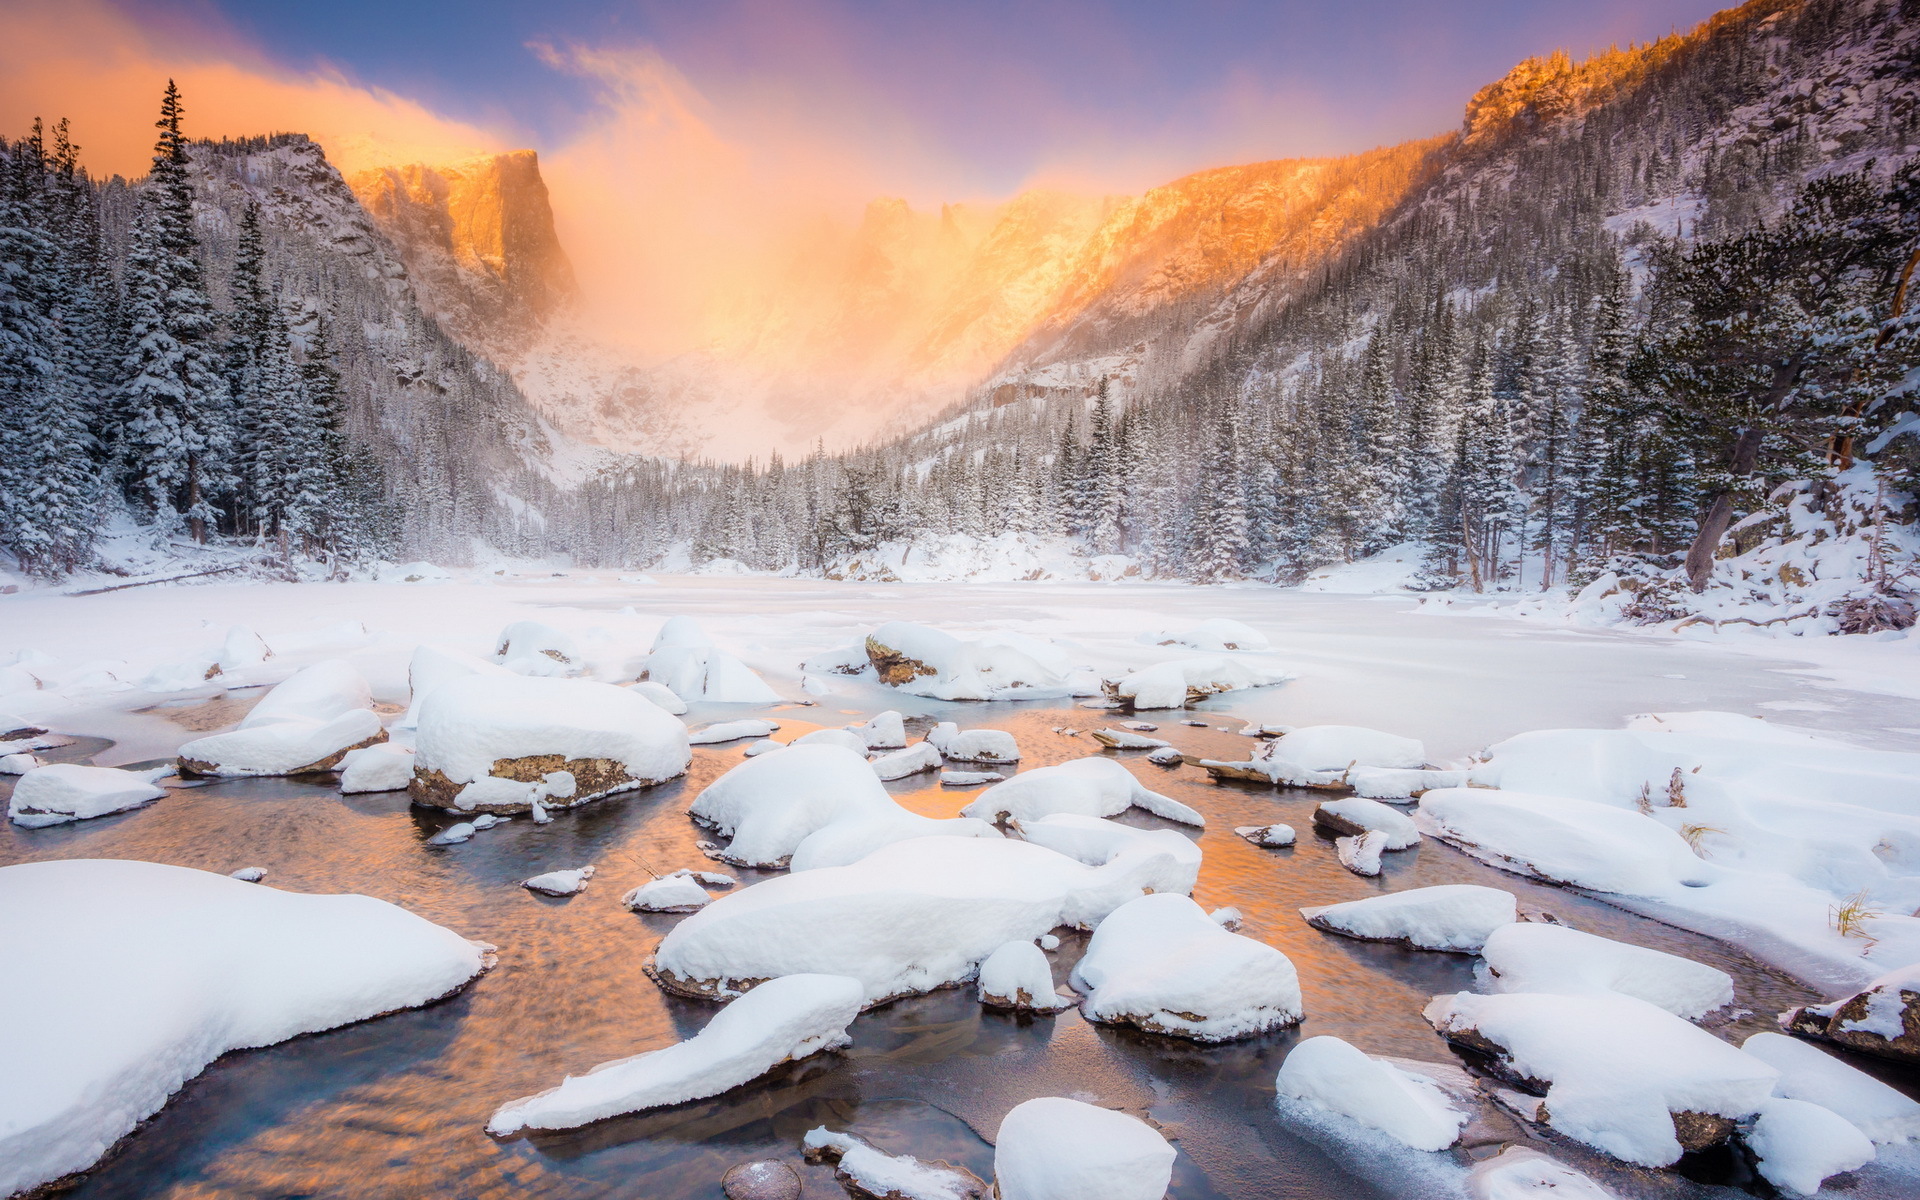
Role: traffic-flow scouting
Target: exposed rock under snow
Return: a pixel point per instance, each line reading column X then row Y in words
column 1018, row 977
column 1811, row 1074
column 1354, row 816
column 560, row 883
column 1059, row 1149
column 1270, row 836
column 867, row 1172
column 1538, row 957
column 928, row 662
column 781, row 1020
column 63, row 792
column 306, row 724
column 1408, row 1107
column 1361, row 854
column 1455, row 916
column 675, row 892
column 1166, row 756
column 1126, row 739
column 1093, row 787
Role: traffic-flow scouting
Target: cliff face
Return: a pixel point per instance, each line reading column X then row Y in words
column 478, row 239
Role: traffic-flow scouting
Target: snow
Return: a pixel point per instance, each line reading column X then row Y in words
column 1162, row 964
column 1093, row 787
column 1391, row 783
column 62, row 792
column 1537, row 957
column 1126, row 739
column 1336, row 1076
column 883, row 731
column 1451, row 916
column 1096, row 842
column 1017, row 975
column 1215, row 635
column 779, row 1021
column 454, row 834
column 965, row 778
column 381, row 768
column 686, row 661
column 1355, row 815
column 560, row 883
column 1616, row 1067
column 321, row 692
column 1799, row 1145
column 919, row 757
column 1334, row 748
column 303, row 724
column 1561, row 840
column 469, row 724
column 660, row 694
column 1520, row 1173
column 870, row 1172
column 1361, row 854
column 1811, row 1074
column 1173, row 684
column 731, row 731
column 678, row 891
column 845, row 739
column 909, row 917
column 1054, row 1148
column 248, row 874
column 1268, row 835
column 533, row 648
column 941, row 666
column 152, row 972
column 1166, row 756
column 18, row 763
column 432, row 666
column 992, row 746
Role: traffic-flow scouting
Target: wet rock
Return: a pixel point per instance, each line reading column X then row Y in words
column 765, row 1180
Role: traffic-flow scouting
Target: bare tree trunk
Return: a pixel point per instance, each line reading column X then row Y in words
column 1719, row 515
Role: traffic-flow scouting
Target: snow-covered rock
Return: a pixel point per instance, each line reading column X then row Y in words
column 1336, row 1076
column 1166, row 756
column 248, row 874
column 1800, row 1145
column 18, row 763
column 1270, row 836
column 1361, row 854
column 686, row 661
column 151, row 972
column 909, row 917
column 1561, row 840
column 1213, row 635
column 1186, row 681
column 1018, row 977
column 865, row 1171
column 1126, row 739
column 514, row 728
column 660, row 694
column 1355, row 815
column 779, row 1021
column 1053, row 1148
column 1092, row 787
column 1537, row 957
column 913, row 760
column 532, row 648
column 1619, row 1074
column 1160, row 963
column 454, row 834
column 1521, row 1173
column 432, row 666
column 1393, row 783
column 306, row 724
column 560, row 883
column 969, row 778
column 61, row 792
column 1882, row 1018
column 994, row 746
column 928, row 662
column 321, row 692
column 763, row 746
column 885, row 731
column 721, row 732
column 1453, row 916
column 1811, row 1074
column 843, row 738
column 1096, row 842
column 676, row 892
column 1335, row 748
column 383, row 767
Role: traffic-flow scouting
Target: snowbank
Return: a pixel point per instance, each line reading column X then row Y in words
column 993, row 746
column 1809, row 1073
column 1339, row 1078
column 686, row 661
column 306, row 724
column 1361, row 853
column 1160, row 963
column 151, row 972
column 1882, row 1018
column 1453, row 916
column 1092, row 787
column 1017, row 976
column 1561, row 840
column 515, row 728
column 909, row 917
column 1059, row 1149
column 780, row 1021
column 1214, row 635
column 62, row 792
column 927, row 662
column 1537, row 957
column 1187, row 681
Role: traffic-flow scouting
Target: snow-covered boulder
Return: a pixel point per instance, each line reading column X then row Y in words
column 1096, row 842
column 909, row 917
column 532, row 648
column 151, row 972
column 1059, row 1149
column 1883, row 1018
column 1336, row 1076
column 1537, row 957
column 853, row 837
column 843, row 738
column 1127, row 739
column 1337, row 747
column 18, row 762
column 994, row 746
column 432, row 666
column 1271, row 836
column 1354, row 816
column 1017, row 977
column 1213, row 636
column 304, row 725
column 968, row 778
column 1188, row 681
column 660, row 694
column 570, row 882
column 1160, row 963
column 518, row 729
column 928, row 662
column 768, row 805
column 383, row 767
column 781, row 1020
column 1798, row 1146
column 1561, row 840
column 721, row 732
column 675, row 892
column 886, row 731
column 62, row 792
column 1397, row 785
column 865, row 1171
column 1619, row 1074
column 1452, row 916
column 685, row 660
column 1361, row 852
column 1092, row 787
column 913, row 760
column 1811, row 1074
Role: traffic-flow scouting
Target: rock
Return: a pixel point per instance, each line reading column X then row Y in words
column 893, row 667
column 1361, row 855
column 870, row 1174
column 1883, row 1019
column 1267, row 835
column 1166, row 756
column 765, row 1180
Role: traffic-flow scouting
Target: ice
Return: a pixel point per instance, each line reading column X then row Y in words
column 660, row 694
column 865, row 1171
column 919, row 757
column 677, row 892
column 992, row 746
column 560, row 883
column 928, row 662
column 1800, row 1145
column 910, row 917
column 1095, row 841
column 781, row 1020
column 1018, row 976
column 62, row 792
column 1162, row 964
column 1616, row 1068
column 731, row 731
column 151, row 972
column 1336, row 747
column 607, row 738
column 1392, row 783
column 1451, row 916
column 305, row 724
column 1355, row 816
column 1809, row 1073
column 1361, row 854
column 1092, row 787
column 1341, row 1079
column 531, row 648
column 1562, row 840
column 1537, row 957
column 1520, row 1173
column 1216, row 634
column 687, row 662
column 1053, row 1148
column 884, row 731
column 1181, row 682
column 1268, row 835
column 380, row 768
column 967, row 778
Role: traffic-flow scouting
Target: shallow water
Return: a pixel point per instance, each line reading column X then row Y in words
column 395, row 1107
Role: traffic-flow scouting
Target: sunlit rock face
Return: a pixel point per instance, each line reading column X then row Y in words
column 478, row 239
